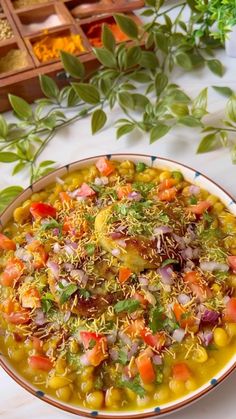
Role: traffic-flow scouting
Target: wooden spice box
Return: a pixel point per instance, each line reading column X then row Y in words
column 70, row 17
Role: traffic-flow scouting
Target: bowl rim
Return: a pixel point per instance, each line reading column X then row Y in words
column 110, row 414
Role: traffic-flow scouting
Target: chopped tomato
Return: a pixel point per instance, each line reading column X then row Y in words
column 181, row 371
column 140, row 297
column 98, row 353
column 232, row 262
column 168, row 194
column 104, row 166
column 12, row 272
column 42, row 210
column 166, row 184
column 64, row 197
column 14, row 313
column 31, row 298
column 230, row 311
column 38, row 362
column 199, row 208
column 40, row 256
column 156, row 340
column 85, row 191
column 183, row 316
column 87, row 337
column 124, row 274
column 123, row 191
column 200, row 290
column 145, row 368
column 6, row 243
column 134, row 328
column 37, row 344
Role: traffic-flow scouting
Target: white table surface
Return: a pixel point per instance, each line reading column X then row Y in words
column 75, row 142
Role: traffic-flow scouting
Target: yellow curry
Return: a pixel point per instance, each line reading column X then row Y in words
column 118, row 287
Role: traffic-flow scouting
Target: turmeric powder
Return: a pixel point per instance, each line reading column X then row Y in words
column 48, row 48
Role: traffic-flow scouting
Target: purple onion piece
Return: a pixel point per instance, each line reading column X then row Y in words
column 39, row 317
column 54, row 268
column 134, row 196
column 143, row 280
column 166, row 274
column 210, row 317
column 84, row 360
column 206, row 336
column 114, row 354
column 157, row 360
column 115, row 252
column 183, row 299
column 133, row 350
column 187, row 253
column 178, row 334
column 162, row 230
column 116, row 235
column 194, row 190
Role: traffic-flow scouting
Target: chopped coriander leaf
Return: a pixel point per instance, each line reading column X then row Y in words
column 133, row 385
column 221, row 276
column 67, row 292
column 122, row 357
column 170, row 325
column 164, row 217
column 98, row 383
column 156, row 318
column 92, row 343
column 128, row 305
column 159, row 374
column 207, row 217
column 140, row 167
column 84, row 293
column 51, row 224
column 168, row 262
column 47, row 302
column 143, row 188
column 90, row 249
column 193, row 200
column 89, row 218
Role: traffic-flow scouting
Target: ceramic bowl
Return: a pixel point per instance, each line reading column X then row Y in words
column 192, row 176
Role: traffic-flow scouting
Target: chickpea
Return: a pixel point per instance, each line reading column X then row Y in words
column 162, row 394
column 64, row 393
column 220, row 337
column 113, row 397
column 218, row 207
column 86, row 373
column 231, row 329
column 131, row 394
column 143, row 401
column 58, row 382
column 177, row 386
column 21, row 214
column 60, row 366
column 165, row 175
column 87, row 386
column 16, row 354
column 191, row 384
column 95, row 399
column 200, row 354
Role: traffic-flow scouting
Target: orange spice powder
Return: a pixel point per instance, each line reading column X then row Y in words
column 48, row 48
column 94, row 34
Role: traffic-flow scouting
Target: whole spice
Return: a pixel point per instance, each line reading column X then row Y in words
column 5, row 30
column 49, row 47
column 14, row 60
column 94, row 33
column 18, row 4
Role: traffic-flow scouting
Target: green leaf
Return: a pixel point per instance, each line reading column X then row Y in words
column 21, row 107
column 72, row 65
column 8, row 194
column 122, row 357
column 216, row 67
column 8, row 157
column 90, row 249
column 134, row 55
column 161, row 81
column 105, row 57
column 98, row 120
column 72, row 99
column 133, row 385
column 190, row 121
column 147, row 12
column 20, row 166
column 108, row 38
column 128, row 306
column 156, row 319
column 179, row 96
column 124, row 129
column 225, row 91
column 87, row 92
column 201, row 100
column 125, row 99
column 46, row 163
column 48, row 87
column 67, row 292
column 140, row 101
column 184, row 61
column 3, row 127
column 140, row 77
column 179, row 109
column 206, row 143
column 162, row 41
column 127, row 25
column 149, row 60
column 231, row 108
column 158, row 131
column 169, row 262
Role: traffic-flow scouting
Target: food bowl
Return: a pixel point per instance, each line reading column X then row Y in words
column 193, row 177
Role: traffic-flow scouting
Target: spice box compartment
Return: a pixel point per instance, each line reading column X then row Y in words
column 83, row 9
column 38, row 19
column 16, row 5
column 14, row 54
column 49, row 40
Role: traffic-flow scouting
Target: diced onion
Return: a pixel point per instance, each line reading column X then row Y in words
column 194, row 190
column 178, row 334
column 84, row 360
column 162, row 230
column 166, row 275
column 183, row 299
column 213, row 266
column 54, row 268
column 157, row 360
column 115, row 252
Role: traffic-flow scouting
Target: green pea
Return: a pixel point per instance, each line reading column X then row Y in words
column 177, row 175
column 140, row 167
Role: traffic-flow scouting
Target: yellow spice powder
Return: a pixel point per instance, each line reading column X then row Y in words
column 13, row 60
column 49, row 47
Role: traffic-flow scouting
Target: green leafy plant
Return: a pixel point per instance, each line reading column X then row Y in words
column 223, row 12
column 135, row 77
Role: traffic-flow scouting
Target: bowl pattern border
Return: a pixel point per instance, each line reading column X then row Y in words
column 164, row 163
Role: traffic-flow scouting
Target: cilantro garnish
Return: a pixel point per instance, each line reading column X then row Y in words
column 207, row 217
column 143, row 188
column 128, row 305
column 193, row 200
column 156, row 318
column 51, row 224
column 90, row 249
column 168, row 262
column 90, row 218
column 67, row 292
column 122, row 357
column 133, row 385
column 84, row 293
column 92, row 343
column 47, row 302
column 164, row 217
